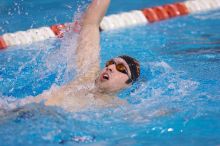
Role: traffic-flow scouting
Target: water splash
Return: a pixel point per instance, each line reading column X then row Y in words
column 163, row 94
column 45, row 63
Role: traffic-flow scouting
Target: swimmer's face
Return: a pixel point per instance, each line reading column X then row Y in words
column 114, row 76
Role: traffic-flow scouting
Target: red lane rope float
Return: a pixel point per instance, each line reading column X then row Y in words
column 58, row 29
column 161, row 13
column 2, row 43
column 182, row 8
column 150, row 14
column 165, row 12
column 172, row 10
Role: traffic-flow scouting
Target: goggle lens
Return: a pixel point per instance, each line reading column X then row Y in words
column 120, row 67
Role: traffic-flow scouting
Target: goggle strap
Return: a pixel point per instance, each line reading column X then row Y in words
column 128, row 81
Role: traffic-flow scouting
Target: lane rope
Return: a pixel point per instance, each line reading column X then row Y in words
column 115, row 21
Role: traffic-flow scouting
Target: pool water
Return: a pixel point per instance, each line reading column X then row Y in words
column 175, row 102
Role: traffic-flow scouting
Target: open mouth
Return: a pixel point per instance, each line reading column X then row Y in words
column 105, row 76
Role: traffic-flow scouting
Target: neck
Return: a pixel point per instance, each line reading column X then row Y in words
column 97, row 90
column 102, row 94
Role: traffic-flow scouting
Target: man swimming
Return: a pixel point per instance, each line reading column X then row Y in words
column 92, row 86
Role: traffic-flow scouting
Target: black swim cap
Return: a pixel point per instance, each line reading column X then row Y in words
column 134, row 67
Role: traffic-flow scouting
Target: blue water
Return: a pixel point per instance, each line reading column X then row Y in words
column 175, row 102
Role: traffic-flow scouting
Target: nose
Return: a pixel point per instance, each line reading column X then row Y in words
column 110, row 68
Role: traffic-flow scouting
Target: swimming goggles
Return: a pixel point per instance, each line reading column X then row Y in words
column 119, row 66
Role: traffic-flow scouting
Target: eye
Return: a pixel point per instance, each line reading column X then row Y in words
column 109, row 63
column 121, row 68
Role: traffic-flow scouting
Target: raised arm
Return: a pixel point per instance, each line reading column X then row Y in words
column 87, row 53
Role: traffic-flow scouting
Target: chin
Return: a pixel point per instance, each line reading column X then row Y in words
column 107, row 86
column 101, row 85
column 104, row 86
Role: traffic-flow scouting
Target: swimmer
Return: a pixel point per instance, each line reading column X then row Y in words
column 92, row 87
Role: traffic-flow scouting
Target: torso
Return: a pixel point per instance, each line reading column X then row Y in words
column 80, row 95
